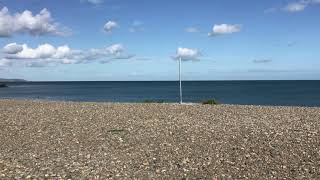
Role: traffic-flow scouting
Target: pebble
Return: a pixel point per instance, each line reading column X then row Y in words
column 69, row 140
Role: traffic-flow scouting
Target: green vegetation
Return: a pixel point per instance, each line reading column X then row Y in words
column 153, row 101
column 210, row 101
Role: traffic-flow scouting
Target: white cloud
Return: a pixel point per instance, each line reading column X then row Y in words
column 26, row 22
column 110, row 25
column 12, row 48
column 300, row 5
column 192, row 30
column 187, row 54
column 5, row 63
column 221, row 29
column 295, row 7
column 115, row 49
column 94, row 2
column 46, row 54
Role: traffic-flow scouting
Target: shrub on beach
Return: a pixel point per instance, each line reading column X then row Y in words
column 210, row 101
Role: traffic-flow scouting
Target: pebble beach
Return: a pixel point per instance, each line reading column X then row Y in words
column 69, row 140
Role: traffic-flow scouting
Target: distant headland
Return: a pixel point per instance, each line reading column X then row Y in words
column 2, row 80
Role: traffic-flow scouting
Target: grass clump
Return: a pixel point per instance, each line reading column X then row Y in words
column 210, row 101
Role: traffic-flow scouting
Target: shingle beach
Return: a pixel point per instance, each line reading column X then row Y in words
column 71, row 140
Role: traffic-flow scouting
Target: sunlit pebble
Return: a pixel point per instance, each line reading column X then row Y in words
column 224, row 137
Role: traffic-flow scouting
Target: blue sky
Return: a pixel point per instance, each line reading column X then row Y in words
column 138, row 40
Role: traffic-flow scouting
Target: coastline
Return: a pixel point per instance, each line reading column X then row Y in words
column 277, row 93
column 30, row 100
column 145, row 140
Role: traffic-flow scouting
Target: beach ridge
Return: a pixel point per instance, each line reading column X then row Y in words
column 114, row 140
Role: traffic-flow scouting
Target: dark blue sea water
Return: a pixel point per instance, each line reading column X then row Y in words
column 292, row 93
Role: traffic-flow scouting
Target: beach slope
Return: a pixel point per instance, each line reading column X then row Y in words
column 145, row 141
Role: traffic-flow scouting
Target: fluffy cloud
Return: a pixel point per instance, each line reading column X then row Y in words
column 192, row 30
column 94, row 2
column 221, row 29
column 115, row 49
column 300, row 5
column 187, row 54
column 110, row 25
column 12, row 48
column 26, row 22
column 46, row 54
column 44, row 51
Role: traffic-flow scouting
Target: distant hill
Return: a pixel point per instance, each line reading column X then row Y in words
column 12, row 80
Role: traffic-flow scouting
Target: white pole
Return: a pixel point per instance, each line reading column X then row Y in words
column 180, row 80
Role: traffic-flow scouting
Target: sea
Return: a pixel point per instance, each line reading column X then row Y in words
column 274, row 93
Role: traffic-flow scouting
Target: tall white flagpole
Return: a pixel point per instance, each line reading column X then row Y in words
column 180, row 80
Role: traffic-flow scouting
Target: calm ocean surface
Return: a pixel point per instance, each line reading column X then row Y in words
column 292, row 93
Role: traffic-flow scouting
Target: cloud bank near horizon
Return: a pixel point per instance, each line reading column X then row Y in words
column 47, row 54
